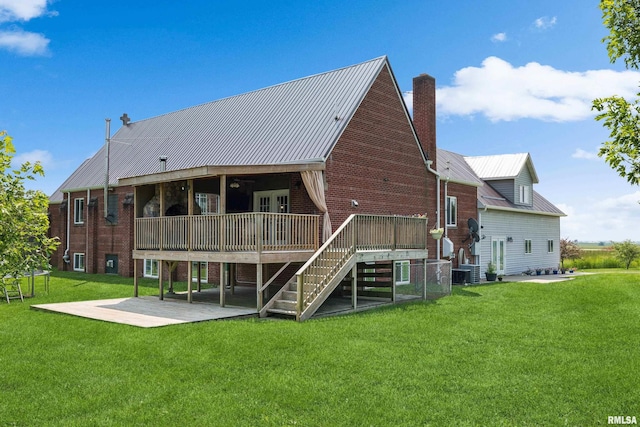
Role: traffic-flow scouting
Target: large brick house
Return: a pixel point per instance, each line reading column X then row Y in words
column 249, row 187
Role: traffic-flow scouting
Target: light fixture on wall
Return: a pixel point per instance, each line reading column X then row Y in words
column 354, row 203
column 509, row 239
column 234, row 184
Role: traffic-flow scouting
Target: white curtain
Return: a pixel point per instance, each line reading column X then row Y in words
column 315, row 187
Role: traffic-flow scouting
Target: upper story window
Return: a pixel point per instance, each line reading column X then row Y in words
column 527, row 246
column 550, row 246
column 525, row 194
column 112, row 209
column 78, row 211
column 452, row 211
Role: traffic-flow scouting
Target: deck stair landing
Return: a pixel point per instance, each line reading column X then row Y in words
column 359, row 238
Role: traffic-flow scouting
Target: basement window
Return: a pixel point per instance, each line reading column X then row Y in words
column 78, row 261
column 402, row 272
column 151, row 268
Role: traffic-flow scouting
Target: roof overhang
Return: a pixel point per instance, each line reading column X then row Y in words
column 212, row 171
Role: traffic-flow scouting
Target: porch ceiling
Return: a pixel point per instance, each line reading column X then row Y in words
column 210, row 171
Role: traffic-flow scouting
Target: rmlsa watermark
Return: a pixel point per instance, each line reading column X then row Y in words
column 621, row 419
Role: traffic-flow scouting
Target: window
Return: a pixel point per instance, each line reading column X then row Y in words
column 78, row 262
column 525, row 194
column 151, row 268
column 208, row 203
column 452, row 211
column 112, row 209
column 527, row 246
column 204, row 272
column 550, row 246
column 78, row 211
column 402, row 272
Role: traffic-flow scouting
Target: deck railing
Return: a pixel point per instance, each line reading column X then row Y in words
column 251, row 231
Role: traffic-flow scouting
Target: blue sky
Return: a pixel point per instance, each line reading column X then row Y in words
column 512, row 76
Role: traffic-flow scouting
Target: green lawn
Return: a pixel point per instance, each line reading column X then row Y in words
column 508, row 354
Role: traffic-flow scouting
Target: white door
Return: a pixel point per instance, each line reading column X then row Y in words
column 498, row 253
column 275, row 230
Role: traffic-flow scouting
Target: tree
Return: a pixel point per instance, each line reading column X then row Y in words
column 24, row 244
column 569, row 250
column 626, row 252
column 621, row 117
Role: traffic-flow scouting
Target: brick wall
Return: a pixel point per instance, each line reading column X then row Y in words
column 467, row 208
column 96, row 238
column 376, row 160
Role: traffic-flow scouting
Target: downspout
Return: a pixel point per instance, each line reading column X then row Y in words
column 65, row 257
column 429, row 163
column 446, row 209
column 86, row 243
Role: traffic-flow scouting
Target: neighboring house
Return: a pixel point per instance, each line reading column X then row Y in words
column 519, row 230
column 247, row 188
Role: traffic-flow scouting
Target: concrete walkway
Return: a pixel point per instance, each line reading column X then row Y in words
column 147, row 312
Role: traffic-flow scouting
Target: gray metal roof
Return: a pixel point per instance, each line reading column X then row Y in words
column 502, row 166
column 295, row 122
column 459, row 169
column 454, row 167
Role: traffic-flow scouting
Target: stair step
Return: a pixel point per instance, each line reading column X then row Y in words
column 285, row 305
column 280, row 311
column 290, row 295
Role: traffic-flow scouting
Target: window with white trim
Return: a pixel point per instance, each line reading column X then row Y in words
column 550, row 246
column 78, row 262
column 78, row 211
column 452, row 211
column 525, row 194
column 402, row 272
column 151, row 268
column 208, row 203
column 204, row 271
column 527, row 246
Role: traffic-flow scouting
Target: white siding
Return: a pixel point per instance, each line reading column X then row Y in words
column 520, row 226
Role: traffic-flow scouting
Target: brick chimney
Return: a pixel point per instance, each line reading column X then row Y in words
column 424, row 113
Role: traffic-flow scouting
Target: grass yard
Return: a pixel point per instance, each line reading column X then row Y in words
column 503, row 354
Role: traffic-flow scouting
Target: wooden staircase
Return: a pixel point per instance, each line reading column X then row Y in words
column 314, row 282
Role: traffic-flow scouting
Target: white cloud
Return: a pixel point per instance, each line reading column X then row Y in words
column 500, row 91
column 583, row 154
column 22, row 10
column 20, row 41
column 605, row 219
column 500, row 37
column 42, row 156
column 24, row 43
column 545, row 22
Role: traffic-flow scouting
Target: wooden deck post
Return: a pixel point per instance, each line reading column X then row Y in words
column 190, row 281
column 161, row 278
column 135, row 278
column 354, row 286
column 259, row 285
column 221, row 286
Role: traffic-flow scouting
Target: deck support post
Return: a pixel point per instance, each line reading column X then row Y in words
column 354, row 286
column 393, row 281
column 190, row 280
column 259, row 285
column 222, row 283
column 135, row 278
column 424, row 279
column 161, row 278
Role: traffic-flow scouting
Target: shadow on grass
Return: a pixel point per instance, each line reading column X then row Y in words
column 464, row 292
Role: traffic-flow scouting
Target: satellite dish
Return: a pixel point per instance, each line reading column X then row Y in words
column 473, row 225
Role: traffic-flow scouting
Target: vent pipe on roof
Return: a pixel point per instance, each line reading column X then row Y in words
column 163, row 163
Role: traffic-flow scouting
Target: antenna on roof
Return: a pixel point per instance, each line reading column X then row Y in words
column 125, row 119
